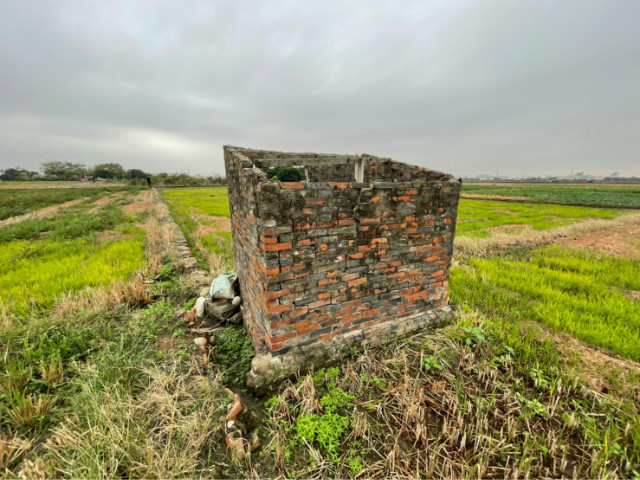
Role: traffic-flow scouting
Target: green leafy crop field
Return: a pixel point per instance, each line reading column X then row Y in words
column 583, row 194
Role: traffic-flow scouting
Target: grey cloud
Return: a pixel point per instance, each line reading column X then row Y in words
column 468, row 87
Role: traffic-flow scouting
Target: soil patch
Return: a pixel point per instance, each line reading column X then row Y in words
column 143, row 202
column 621, row 241
column 222, row 224
column 632, row 294
column 510, row 227
column 482, row 196
column 98, row 204
column 42, row 213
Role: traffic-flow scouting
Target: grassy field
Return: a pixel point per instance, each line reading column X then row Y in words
column 92, row 359
column 18, row 202
column 536, row 375
column 201, row 213
column 482, row 218
column 589, row 194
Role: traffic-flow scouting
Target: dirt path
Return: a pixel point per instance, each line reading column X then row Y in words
column 621, row 241
column 42, row 213
column 627, row 225
column 143, row 202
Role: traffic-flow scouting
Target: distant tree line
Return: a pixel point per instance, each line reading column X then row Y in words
column 68, row 171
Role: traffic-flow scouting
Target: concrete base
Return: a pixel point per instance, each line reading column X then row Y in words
column 268, row 370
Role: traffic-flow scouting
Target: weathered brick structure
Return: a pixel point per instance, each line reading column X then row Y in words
column 360, row 252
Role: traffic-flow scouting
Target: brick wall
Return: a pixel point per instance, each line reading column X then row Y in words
column 330, row 262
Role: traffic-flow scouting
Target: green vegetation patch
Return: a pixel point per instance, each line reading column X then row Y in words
column 41, row 259
column 193, row 208
column 577, row 292
column 605, row 195
column 33, row 274
column 476, row 217
column 208, row 201
column 14, row 202
column 234, row 352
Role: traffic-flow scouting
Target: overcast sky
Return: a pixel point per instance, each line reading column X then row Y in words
column 533, row 87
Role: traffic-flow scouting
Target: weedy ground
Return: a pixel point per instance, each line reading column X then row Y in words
column 103, row 383
column 203, row 216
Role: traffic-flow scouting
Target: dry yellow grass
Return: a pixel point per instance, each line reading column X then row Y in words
column 535, row 238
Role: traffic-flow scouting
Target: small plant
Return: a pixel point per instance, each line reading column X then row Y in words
column 534, row 406
column 472, row 336
column 326, row 430
column 431, row 365
column 234, row 352
column 336, row 399
column 355, row 465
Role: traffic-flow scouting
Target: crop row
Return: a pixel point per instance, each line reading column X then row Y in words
column 604, row 195
column 577, row 292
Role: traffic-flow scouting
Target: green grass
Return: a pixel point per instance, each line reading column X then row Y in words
column 14, row 202
column 604, row 195
column 207, row 201
column 35, row 273
column 192, row 208
column 576, row 292
column 475, row 217
column 43, row 258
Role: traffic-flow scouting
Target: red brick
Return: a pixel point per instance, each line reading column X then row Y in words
column 327, row 336
column 280, row 323
column 310, row 328
column 319, row 303
column 277, row 247
column 437, row 274
column 292, row 185
column 359, row 281
column 279, row 308
column 346, row 222
column 299, row 311
column 283, row 337
column 278, row 294
column 264, row 239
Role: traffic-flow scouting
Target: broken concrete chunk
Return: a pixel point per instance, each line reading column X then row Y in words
column 200, row 307
column 220, row 309
column 236, row 301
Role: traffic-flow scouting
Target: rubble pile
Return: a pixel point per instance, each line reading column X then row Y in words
column 217, row 306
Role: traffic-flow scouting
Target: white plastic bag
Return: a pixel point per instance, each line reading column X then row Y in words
column 223, row 286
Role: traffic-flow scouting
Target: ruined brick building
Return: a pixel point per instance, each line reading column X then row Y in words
column 359, row 253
